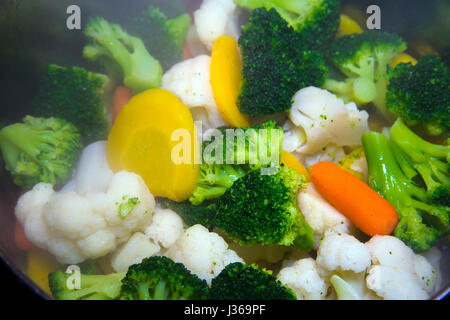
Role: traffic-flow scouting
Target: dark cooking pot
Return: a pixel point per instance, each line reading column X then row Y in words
column 34, row 33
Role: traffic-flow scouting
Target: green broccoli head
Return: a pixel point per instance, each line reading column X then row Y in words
column 393, row 172
column 166, row 40
column 244, row 150
column 115, row 48
column 317, row 21
column 363, row 59
column 40, row 150
column 276, row 64
column 75, row 95
column 420, row 94
column 92, row 287
column 261, row 209
column 160, row 278
column 191, row 214
column 238, row 281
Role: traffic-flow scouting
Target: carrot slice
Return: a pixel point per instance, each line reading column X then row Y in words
column 362, row 205
column 122, row 95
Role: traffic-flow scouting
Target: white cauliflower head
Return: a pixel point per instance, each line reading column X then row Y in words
column 327, row 119
column 320, row 214
column 75, row 227
column 342, row 252
column 204, row 253
column 304, row 279
column 216, row 18
column 398, row 273
column 166, row 227
column 330, row 152
column 93, row 173
column 189, row 80
column 138, row 247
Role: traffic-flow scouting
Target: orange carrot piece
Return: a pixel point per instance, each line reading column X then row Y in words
column 356, row 200
column 21, row 239
column 122, row 95
column 186, row 52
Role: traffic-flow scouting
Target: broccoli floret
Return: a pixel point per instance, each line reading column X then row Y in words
column 75, row 95
column 243, row 152
column 276, row 64
column 317, row 21
column 391, row 173
column 160, row 278
column 203, row 214
column 165, row 41
column 363, row 59
column 113, row 46
column 431, row 161
column 40, row 150
column 238, row 281
column 92, row 287
column 420, row 94
column 261, row 209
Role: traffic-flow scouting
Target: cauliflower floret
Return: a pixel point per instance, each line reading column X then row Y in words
column 294, row 137
column 327, row 119
column 138, row 247
column 216, row 18
column 357, row 281
column 189, row 80
column 166, row 227
column 397, row 272
column 75, row 227
column 342, row 252
column 304, row 278
column 93, row 173
column 29, row 209
column 320, row 214
column 331, row 153
column 204, row 253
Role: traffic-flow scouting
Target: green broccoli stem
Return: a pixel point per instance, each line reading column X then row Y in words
column 416, row 147
column 19, row 138
column 420, row 222
column 385, row 174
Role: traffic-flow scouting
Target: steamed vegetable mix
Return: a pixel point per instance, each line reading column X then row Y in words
column 243, row 150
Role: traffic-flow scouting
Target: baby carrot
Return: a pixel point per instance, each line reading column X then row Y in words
column 367, row 209
column 122, row 95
